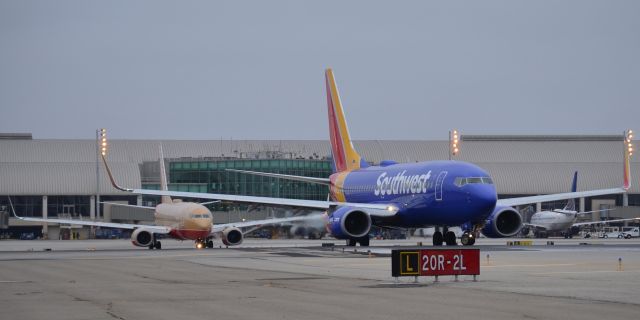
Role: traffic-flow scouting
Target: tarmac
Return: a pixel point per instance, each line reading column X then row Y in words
column 300, row 279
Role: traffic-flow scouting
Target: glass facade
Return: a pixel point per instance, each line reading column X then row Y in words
column 25, row 206
column 210, row 176
column 69, row 205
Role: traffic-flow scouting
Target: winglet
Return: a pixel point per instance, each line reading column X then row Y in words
column 345, row 157
column 113, row 181
column 13, row 210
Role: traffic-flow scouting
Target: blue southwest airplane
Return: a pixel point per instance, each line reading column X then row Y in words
column 400, row 195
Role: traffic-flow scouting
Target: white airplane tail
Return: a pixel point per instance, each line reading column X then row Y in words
column 163, row 179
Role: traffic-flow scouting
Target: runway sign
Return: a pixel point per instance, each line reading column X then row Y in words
column 435, row 262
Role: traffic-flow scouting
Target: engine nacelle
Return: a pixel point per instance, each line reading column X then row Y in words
column 232, row 236
column 141, row 237
column 503, row 222
column 348, row 222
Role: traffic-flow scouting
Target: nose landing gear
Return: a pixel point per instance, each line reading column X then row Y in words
column 204, row 243
column 467, row 239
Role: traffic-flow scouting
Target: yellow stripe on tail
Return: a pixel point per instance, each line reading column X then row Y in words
column 345, row 156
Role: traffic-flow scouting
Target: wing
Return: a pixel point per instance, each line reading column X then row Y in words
column 257, row 223
column 592, row 211
column 325, row 181
column 510, row 202
column 152, row 228
column 374, row 209
column 534, row 226
column 603, row 222
column 129, row 205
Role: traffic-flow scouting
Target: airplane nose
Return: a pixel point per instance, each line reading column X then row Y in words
column 485, row 198
column 204, row 224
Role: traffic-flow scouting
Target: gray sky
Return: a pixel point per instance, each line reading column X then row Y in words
column 255, row 69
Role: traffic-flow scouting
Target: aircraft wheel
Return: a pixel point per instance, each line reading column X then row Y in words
column 351, row 242
column 450, row 238
column 364, row 241
column 158, row 245
column 437, row 238
column 151, row 246
column 209, row 244
column 467, row 239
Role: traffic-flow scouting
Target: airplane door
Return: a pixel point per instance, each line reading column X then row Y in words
column 439, row 182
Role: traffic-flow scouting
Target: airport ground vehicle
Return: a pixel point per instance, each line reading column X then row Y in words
column 630, row 232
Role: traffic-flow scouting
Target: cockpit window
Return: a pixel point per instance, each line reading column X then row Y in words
column 487, row 180
column 461, row 181
column 474, row 180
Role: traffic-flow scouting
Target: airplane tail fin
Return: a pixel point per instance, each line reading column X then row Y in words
column 627, row 162
column 345, row 157
column 571, row 203
column 163, row 178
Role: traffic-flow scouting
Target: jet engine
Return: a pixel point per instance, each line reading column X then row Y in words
column 503, row 222
column 141, row 237
column 348, row 222
column 232, row 236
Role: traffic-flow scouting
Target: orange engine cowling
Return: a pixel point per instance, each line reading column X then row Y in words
column 141, row 237
column 232, row 236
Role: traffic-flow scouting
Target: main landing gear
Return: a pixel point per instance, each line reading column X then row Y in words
column 155, row 244
column 364, row 241
column 444, row 236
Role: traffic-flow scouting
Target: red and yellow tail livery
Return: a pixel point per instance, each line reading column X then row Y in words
column 345, row 157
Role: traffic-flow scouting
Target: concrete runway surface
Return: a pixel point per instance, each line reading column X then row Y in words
column 298, row 279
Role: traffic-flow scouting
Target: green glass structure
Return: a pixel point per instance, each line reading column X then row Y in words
column 210, row 176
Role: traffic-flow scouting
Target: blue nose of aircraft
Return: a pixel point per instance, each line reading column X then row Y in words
column 484, row 198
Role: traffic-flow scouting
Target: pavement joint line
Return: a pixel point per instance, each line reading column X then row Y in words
column 579, row 272
column 531, row 265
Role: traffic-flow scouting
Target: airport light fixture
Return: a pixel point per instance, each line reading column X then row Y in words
column 454, row 143
column 102, row 140
column 628, row 138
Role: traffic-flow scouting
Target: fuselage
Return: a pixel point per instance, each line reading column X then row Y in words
column 426, row 193
column 557, row 220
column 187, row 220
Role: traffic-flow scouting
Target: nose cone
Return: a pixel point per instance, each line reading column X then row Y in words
column 484, row 198
column 203, row 224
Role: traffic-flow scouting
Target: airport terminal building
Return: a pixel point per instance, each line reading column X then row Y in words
column 63, row 178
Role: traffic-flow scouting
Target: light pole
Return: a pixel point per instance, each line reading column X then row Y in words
column 101, row 149
column 628, row 152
